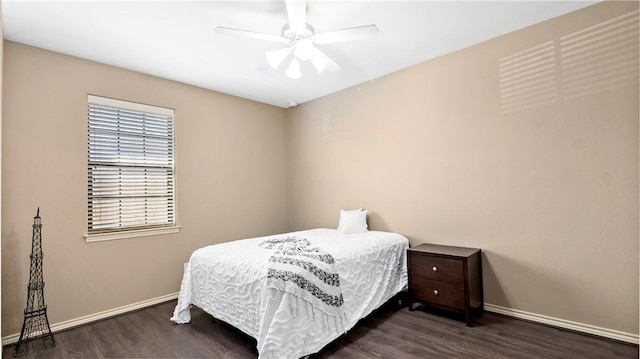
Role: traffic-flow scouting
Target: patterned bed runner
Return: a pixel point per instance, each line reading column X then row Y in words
column 306, row 272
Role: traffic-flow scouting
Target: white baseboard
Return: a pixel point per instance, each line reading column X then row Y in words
column 56, row 327
column 565, row 324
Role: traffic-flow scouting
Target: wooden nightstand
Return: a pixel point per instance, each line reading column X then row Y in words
column 446, row 277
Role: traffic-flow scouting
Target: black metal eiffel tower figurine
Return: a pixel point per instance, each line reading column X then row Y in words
column 36, row 323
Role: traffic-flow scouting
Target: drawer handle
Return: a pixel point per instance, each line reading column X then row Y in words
column 435, row 292
column 435, row 269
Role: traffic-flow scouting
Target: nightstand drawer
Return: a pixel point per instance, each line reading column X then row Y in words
column 436, row 292
column 443, row 269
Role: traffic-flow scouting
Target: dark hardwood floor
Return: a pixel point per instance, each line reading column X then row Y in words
column 390, row 332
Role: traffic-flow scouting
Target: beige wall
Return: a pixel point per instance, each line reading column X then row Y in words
column 454, row 152
column 231, row 182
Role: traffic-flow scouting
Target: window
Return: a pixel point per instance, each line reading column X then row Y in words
column 131, row 169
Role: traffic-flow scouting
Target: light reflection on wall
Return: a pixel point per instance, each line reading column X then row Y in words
column 601, row 57
column 598, row 58
column 528, row 77
column 326, row 126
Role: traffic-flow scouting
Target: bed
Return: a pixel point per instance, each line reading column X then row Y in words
column 294, row 292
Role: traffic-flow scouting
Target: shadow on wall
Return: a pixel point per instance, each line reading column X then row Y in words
column 592, row 60
column 377, row 223
column 491, row 282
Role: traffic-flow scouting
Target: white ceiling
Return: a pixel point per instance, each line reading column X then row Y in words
column 177, row 41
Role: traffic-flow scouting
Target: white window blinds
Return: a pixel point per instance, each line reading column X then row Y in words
column 130, row 166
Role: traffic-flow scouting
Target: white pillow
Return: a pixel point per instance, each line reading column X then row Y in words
column 354, row 221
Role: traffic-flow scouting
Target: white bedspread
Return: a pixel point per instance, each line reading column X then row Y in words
column 228, row 281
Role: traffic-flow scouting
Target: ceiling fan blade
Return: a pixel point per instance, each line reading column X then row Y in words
column 250, row 34
column 297, row 15
column 353, row 33
column 322, row 62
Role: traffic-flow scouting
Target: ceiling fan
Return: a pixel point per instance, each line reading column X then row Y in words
column 300, row 39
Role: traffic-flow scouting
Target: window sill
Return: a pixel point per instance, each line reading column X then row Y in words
column 130, row 234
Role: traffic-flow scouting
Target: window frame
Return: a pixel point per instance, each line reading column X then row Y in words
column 134, row 231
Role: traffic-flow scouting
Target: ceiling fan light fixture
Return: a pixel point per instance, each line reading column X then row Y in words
column 293, row 71
column 275, row 58
column 300, row 40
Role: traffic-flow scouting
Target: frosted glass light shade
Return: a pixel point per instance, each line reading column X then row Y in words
column 304, row 49
column 275, row 58
column 294, row 69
